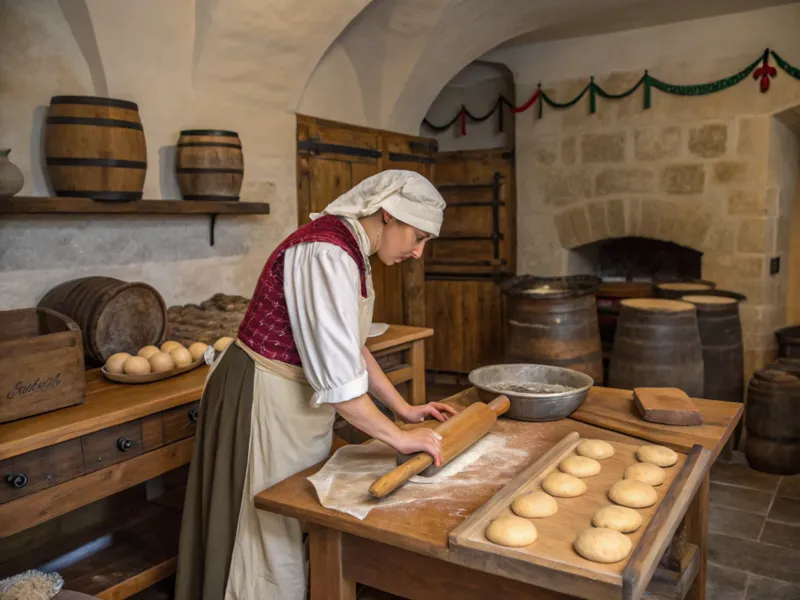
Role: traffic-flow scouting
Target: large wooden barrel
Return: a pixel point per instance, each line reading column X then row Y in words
column 675, row 290
column 115, row 316
column 553, row 321
column 95, row 148
column 210, row 164
column 657, row 345
column 772, row 421
column 788, row 342
column 609, row 295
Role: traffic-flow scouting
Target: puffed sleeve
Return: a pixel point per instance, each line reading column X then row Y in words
column 322, row 286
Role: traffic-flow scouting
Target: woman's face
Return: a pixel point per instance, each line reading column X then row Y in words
column 400, row 241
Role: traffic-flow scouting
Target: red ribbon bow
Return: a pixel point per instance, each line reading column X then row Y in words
column 764, row 72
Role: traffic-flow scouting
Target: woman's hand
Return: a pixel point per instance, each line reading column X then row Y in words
column 420, row 440
column 437, row 410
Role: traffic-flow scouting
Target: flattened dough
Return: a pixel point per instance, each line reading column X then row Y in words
column 646, row 473
column 603, row 545
column 580, row 466
column 563, row 485
column 596, row 449
column 514, row 532
column 633, row 494
column 661, row 456
column 618, row 518
column 535, row 505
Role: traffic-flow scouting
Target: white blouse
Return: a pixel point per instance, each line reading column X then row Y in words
column 323, row 287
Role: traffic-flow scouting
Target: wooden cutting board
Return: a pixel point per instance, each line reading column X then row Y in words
column 669, row 406
column 551, row 561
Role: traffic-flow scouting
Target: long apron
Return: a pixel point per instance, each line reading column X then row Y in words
column 263, row 559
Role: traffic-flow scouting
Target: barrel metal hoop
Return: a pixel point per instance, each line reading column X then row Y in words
column 95, row 162
column 97, row 122
column 95, row 101
column 202, row 171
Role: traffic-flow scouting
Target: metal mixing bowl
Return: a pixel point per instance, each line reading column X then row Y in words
column 532, row 406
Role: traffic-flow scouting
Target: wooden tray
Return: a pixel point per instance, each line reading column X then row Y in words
column 551, row 561
column 150, row 377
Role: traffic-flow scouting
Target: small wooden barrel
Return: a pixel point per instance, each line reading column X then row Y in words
column 772, row 421
column 675, row 290
column 95, row 148
column 788, row 342
column 210, row 164
column 657, row 345
column 114, row 316
column 553, row 321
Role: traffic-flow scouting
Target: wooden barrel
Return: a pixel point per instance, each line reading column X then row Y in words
column 609, row 295
column 95, row 148
column 553, row 321
column 772, row 421
column 788, row 342
column 210, row 164
column 657, row 345
column 675, row 290
column 115, row 316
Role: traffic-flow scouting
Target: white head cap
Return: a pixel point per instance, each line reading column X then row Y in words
column 405, row 195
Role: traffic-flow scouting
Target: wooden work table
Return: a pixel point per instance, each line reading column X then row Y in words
column 404, row 550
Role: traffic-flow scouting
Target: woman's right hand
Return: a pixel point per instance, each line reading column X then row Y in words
column 420, row 440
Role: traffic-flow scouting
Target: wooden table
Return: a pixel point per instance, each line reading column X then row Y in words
column 404, row 550
column 401, row 353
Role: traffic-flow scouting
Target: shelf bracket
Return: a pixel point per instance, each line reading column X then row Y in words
column 213, row 224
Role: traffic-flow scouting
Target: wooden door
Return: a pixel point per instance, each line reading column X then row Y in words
column 465, row 265
column 332, row 158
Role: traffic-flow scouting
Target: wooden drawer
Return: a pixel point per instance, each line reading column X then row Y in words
column 180, row 422
column 112, row 445
column 35, row 471
column 391, row 360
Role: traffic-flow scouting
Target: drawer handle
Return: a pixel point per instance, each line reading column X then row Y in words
column 17, row 480
column 124, row 444
column 193, row 415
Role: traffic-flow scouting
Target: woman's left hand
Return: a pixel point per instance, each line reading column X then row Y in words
column 437, row 410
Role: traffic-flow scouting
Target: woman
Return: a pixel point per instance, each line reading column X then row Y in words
column 269, row 404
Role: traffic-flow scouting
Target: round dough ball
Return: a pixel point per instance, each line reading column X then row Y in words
column 197, row 350
column 602, row 545
column 535, row 505
column 563, row 485
column 646, row 473
column 661, row 456
column 580, row 466
column 222, row 343
column 169, row 346
column 181, row 356
column 619, row 518
column 633, row 494
column 147, row 352
column 511, row 531
column 596, row 449
column 161, row 361
column 115, row 362
column 136, row 365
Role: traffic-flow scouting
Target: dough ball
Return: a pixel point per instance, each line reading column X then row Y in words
column 661, row 456
column 580, row 466
column 161, row 361
column 618, row 518
column 535, row 505
column 596, row 449
column 115, row 362
column 169, row 346
column 602, row 545
column 181, row 356
column 646, row 473
column 222, row 343
column 514, row 532
column 633, row 494
column 147, row 352
column 197, row 350
column 563, row 485
column 136, row 365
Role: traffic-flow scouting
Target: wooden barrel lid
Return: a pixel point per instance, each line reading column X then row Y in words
column 701, row 299
column 657, row 305
column 688, row 286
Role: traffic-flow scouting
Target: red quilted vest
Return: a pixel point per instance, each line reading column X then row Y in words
column 265, row 328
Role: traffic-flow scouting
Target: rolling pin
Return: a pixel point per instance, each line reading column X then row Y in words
column 458, row 433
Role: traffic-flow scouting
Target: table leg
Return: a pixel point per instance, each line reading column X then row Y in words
column 697, row 533
column 417, row 362
column 325, row 555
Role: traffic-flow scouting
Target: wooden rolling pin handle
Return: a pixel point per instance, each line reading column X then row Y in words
column 500, row 405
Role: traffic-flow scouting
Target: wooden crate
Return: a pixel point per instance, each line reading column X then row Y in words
column 41, row 363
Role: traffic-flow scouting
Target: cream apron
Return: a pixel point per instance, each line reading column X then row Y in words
column 287, row 436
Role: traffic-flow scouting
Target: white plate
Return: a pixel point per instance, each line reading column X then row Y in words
column 377, row 329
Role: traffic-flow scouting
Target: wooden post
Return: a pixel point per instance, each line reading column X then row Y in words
column 697, row 533
column 325, row 554
column 417, row 361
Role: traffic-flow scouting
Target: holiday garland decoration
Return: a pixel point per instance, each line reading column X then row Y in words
column 763, row 74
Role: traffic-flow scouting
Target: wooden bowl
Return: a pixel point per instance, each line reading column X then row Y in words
column 150, row 377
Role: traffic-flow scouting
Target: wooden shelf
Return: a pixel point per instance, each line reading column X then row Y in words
column 29, row 205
